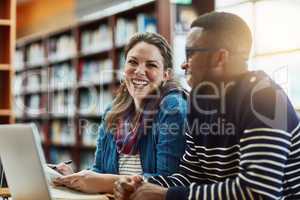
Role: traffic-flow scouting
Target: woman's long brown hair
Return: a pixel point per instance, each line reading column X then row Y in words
column 123, row 101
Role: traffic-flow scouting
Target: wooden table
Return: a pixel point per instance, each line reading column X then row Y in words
column 5, row 194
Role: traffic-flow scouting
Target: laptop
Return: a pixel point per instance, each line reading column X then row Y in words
column 24, row 165
column 22, row 159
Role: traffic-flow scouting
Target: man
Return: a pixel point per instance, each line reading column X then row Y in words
column 243, row 135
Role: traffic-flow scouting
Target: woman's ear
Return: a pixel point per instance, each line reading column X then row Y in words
column 167, row 74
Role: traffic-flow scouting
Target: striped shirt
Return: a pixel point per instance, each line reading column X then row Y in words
column 240, row 154
column 130, row 164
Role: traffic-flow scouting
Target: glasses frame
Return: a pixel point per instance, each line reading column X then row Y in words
column 190, row 50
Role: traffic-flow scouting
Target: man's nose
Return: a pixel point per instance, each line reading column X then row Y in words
column 184, row 65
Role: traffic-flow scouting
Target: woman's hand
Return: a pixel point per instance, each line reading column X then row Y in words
column 64, row 169
column 88, row 181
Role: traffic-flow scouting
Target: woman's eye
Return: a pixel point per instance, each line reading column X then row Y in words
column 132, row 62
column 152, row 65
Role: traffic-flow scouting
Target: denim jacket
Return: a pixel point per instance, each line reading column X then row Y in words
column 160, row 150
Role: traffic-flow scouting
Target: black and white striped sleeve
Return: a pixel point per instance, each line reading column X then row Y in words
column 188, row 161
column 264, row 153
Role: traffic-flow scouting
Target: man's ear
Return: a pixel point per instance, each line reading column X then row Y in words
column 221, row 57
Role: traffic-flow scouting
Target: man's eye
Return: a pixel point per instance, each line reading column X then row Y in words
column 188, row 53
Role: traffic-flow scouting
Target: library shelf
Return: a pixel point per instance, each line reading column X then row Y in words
column 7, row 45
column 82, row 85
column 19, row 71
column 5, row 112
column 87, row 147
column 94, row 53
column 90, row 116
column 4, row 67
column 61, row 116
column 5, row 22
column 36, row 65
column 59, row 60
column 61, row 89
column 62, row 146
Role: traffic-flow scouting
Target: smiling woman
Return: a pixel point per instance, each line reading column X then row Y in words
column 143, row 130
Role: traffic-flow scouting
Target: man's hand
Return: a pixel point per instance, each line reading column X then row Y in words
column 125, row 186
column 148, row 191
column 133, row 188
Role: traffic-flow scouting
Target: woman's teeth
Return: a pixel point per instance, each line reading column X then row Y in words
column 139, row 82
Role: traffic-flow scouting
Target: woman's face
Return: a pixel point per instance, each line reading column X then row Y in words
column 144, row 70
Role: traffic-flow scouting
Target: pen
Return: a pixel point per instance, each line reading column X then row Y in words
column 55, row 166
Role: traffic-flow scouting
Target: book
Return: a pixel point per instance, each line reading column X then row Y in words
column 146, row 23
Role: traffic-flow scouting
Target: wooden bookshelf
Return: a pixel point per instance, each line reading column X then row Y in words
column 7, row 40
column 4, row 67
column 4, row 22
column 7, row 48
column 95, row 60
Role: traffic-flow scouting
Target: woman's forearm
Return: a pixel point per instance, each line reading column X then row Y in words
column 105, row 182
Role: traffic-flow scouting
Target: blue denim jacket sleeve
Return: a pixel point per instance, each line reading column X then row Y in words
column 170, row 130
column 97, row 166
column 98, row 162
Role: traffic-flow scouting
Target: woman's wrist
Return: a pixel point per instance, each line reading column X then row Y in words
column 107, row 182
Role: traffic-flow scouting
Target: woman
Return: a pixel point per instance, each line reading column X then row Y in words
column 143, row 131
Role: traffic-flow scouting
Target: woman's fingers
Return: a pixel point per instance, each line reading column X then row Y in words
column 64, row 169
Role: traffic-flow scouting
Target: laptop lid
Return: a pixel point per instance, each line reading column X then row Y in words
column 22, row 158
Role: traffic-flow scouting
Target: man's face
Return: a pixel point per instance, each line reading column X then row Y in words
column 198, row 63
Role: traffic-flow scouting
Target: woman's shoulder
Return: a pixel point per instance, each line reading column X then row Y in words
column 174, row 100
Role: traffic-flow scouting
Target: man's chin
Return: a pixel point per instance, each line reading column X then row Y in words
column 189, row 81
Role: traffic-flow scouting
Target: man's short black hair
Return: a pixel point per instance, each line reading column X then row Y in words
column 226, row 30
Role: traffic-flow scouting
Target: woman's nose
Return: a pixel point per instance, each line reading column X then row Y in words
column 140, row 70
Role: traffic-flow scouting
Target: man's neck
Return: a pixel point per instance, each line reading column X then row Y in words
column 235, row 69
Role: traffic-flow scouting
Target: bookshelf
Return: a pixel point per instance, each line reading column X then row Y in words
column 7, row 45
column 7, row 40
column 65, row 79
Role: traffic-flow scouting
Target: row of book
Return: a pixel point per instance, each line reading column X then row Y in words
column 125, row 28
column 62, row 47
column 18, row 107
column 63, row 104
column 96, row 40
column 36, row 80
column 35, row 54
column 19, row 60
column 60, row 155
column 63, row 132
column 89, row 130
column 63, row 76
column 96, row 71
column 94, row 102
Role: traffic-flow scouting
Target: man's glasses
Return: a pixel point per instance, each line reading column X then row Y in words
column 189, row 51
